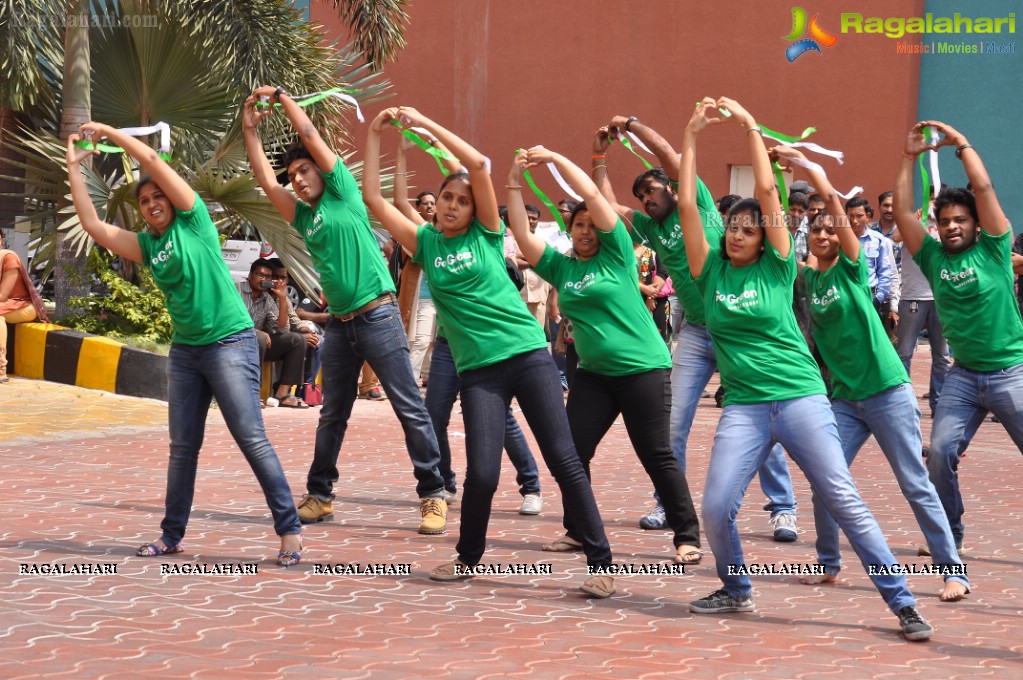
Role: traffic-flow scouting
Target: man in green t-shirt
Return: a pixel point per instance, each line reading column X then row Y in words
column 694, row 360
column 970, row 272
column 365, row 324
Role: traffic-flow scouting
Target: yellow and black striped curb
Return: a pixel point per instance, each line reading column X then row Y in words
column 50, row 352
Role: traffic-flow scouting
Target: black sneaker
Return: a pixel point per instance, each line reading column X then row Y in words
column 914, row 626
column 720, row 601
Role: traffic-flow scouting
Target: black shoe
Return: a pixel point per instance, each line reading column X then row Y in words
column 914, row 626
column 720, row 601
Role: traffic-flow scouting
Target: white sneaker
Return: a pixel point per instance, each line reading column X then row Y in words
column 532, row 504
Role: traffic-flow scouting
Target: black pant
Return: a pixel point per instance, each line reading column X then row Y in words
column 287, row 346
column 644, row 401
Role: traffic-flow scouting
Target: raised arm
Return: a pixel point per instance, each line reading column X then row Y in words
column 177, row 191
column 659, row 145
column 530, row 245
column 697, row 247
column 765, row 190
column 603, row 215
column 120, row 241
column 601, row 143
column 474, row 162
column 283, row 200
column 847, row 240
column 992, row 218
column 401, row 201
column 324, row 158
column 910, row 227
column 404, row 230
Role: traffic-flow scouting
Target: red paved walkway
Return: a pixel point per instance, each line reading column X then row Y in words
column 92, row 494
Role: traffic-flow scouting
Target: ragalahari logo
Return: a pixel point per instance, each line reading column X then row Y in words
column 818, row 36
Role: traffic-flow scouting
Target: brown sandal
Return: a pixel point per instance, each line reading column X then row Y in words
column 291, row 401
column 563, row 544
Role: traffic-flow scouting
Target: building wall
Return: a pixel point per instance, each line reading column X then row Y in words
column 981, row 96
column 509, row 74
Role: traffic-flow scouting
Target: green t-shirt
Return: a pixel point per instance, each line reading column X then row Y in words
column 760, row 351
column 848, row 331
column 614, row 331
column 665, row 238
column 975, row 301
column 342, row 245
column 481, row 312
column 187, row 266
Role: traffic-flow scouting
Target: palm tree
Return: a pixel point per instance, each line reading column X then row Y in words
column 190, row 71
column 30, row 58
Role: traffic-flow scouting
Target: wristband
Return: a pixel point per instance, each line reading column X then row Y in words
column 516, row 186
column 630, row 121
column 755, row 128
column 961, row 149
column 597, row 156
column 279, row 91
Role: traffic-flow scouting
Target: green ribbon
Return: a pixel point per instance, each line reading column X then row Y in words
column 418, row 140
column 308, row 101
column 110, row 148
column 787, row 139
column 925, row 176
column 779, row 178
column 543, row 197
column 628, row 145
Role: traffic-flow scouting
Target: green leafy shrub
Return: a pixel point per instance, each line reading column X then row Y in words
column 129, row 311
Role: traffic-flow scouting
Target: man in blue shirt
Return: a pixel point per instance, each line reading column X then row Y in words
column 876, row 249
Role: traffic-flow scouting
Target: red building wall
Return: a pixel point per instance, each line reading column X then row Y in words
column 506, row 74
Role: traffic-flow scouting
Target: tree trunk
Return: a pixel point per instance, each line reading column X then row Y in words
column 70, row 279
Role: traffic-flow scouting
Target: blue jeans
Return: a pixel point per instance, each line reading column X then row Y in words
column 965, row 401
column 914, row 316
column 228, row 370
column 532, row 378
column 806, row 428
column 893, row 417
column 693, row 364
column 376, row 337
column 441, row 392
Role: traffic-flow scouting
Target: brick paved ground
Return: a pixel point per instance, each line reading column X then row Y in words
column 82, row 475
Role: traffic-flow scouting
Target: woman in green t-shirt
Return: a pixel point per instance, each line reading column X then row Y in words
column 500, row 350
column 624, row 364
column 774, row 392
column 214, row 351
column 872, row 394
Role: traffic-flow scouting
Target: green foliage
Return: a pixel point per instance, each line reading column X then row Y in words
column 191, row 70
column 138, row 312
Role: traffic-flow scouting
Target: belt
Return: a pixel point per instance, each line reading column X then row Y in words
column 385, row 299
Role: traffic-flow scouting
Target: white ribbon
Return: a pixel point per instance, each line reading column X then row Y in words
column 817, row 148
column 161, row 127
column 565, row 186
column 637, row 141
column 810, row 165
column 634, row 138
column 932, row 156
column 346, row 98
column 810, row 146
